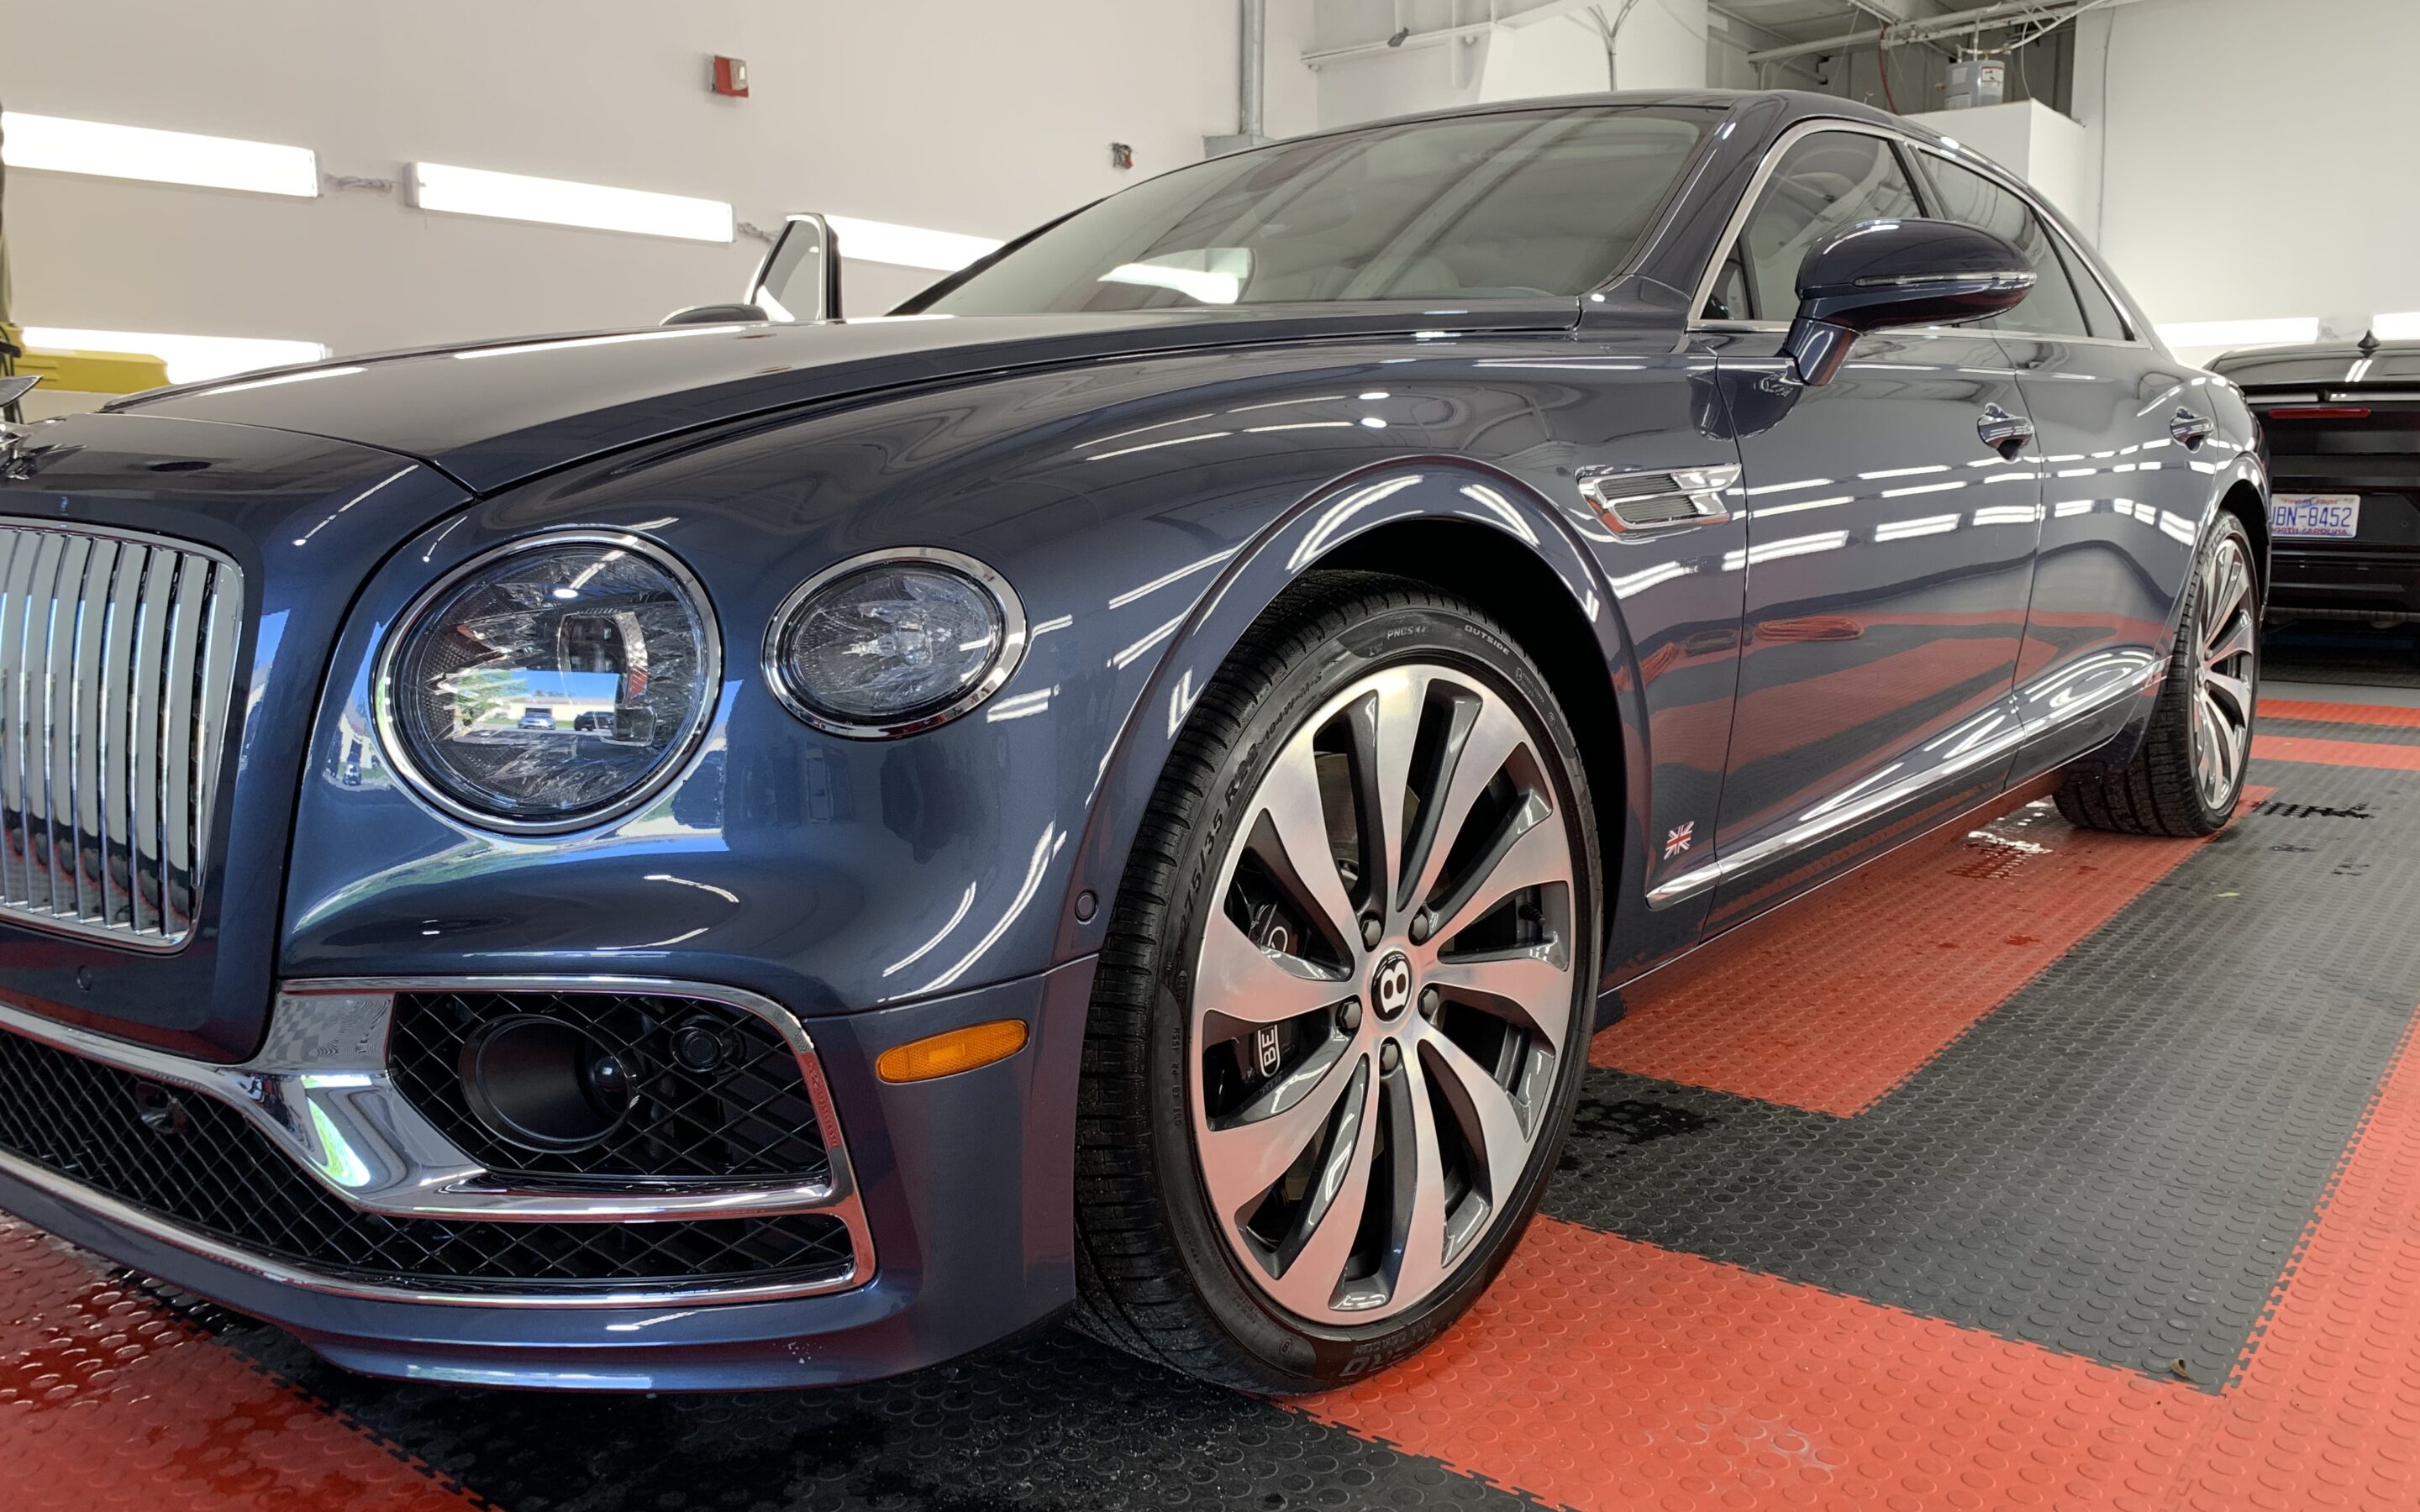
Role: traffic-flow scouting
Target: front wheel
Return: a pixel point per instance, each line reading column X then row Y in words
column 2189, row 772
column 1342, row 1014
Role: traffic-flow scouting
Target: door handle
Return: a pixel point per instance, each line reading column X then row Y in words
column 2190, row 428
column 2003, row 432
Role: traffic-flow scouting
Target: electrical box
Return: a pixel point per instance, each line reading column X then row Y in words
column 1976, row 81
column 731, row 76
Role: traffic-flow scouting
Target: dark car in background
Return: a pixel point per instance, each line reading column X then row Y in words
column 2341, row 428
column 1129, row 786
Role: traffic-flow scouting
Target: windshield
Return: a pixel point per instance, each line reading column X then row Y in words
column 1526, row 203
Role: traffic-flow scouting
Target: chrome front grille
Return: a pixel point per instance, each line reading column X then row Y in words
column 116, row 661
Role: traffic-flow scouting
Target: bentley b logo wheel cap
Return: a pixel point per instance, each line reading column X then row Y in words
column 1390, row 985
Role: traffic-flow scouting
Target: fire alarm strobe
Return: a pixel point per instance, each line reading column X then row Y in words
column 731, row 76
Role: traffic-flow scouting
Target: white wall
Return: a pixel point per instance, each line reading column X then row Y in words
column 2256, row 154
column 959, row 114
column 2055, row 154
column 1662, row 45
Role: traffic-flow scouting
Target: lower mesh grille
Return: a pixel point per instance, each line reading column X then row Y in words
column 746, row 1118
column 197, row 1163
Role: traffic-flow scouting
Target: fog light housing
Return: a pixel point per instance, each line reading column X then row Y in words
column 544, row 1083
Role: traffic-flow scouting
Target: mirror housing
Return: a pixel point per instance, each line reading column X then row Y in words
column 1898, row 272
column 713, row 314
column 799, row 279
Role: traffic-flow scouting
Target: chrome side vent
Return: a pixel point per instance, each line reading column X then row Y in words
column 116, row 663
column 1657, row 501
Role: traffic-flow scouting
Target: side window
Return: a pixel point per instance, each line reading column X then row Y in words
column 1970, row 198
column 2099, row 313
column 1730, row 301
column 1825, row 181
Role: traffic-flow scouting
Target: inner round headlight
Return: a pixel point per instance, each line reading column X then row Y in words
column 894, row 642
column 551, row 683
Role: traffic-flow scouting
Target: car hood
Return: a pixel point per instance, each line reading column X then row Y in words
column 494, row 414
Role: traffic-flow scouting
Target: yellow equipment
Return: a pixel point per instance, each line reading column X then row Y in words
column 83, row 372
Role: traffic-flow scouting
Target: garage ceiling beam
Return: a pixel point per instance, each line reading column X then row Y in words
column 1501, row 13
column 1992, row 17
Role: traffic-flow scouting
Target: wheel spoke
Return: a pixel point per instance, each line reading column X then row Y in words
column 1491, row 1125
column 1296, row 822
column 1485, row 745
column 2232, row 639
column 2210, row 759
column 1534, row 852
column 1241, row 981
column 2223, row 746
column 1332, row 1216
column 1386, row 728
column 1419, row 1259
column 2233, row 693
column 1531, row 987
column 1242, row 1160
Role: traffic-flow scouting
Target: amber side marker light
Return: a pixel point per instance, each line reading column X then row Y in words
column 946, row 1055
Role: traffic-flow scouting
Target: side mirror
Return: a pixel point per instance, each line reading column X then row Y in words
column 799, row 279
column 1906, row 272
column 714, row 315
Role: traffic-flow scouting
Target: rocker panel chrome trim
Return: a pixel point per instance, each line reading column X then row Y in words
column 1831, row 817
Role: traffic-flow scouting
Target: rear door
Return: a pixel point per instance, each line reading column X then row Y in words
column 1889, row 550
column 2123, row 476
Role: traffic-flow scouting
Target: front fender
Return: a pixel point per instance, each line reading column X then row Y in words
column 1399, row 493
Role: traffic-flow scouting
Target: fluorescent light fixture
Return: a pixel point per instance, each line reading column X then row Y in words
column 512, row 196
column 55, row 143
column 908, row 246
column 2404, row 325
column 2212, row 334
column 190, row 359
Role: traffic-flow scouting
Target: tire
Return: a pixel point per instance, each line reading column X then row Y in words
column 2188, row 775
column 1227, row 1018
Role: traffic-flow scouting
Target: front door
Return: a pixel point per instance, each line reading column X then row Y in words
column 1889, row 561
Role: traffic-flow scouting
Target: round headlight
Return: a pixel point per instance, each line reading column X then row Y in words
column 551, row 683
column 894, row 642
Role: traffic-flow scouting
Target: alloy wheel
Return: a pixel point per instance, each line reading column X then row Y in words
column 1382, row 994
column 2223, row 673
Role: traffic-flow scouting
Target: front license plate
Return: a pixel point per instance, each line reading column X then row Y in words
column 2330, row 514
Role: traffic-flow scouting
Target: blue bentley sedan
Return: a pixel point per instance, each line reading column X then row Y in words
column 751, row 853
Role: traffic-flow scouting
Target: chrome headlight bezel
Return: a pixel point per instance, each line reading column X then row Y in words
column 1005, row 661
column 680, row 753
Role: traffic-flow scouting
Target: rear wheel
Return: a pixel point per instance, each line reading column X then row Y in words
column 2189, row 772
column 1343, row 1010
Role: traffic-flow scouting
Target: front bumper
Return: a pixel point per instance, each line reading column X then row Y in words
column 957, row 1195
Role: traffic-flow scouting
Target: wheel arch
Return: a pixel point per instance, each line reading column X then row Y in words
column 2247, row 500
column 1447, row 522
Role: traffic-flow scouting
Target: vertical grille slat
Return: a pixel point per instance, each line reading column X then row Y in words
column 92, row 617
column 117, row 663
column 150, row 640
column 117, row 653
column 12, row 613
column 178, row 674
column 49, row 742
